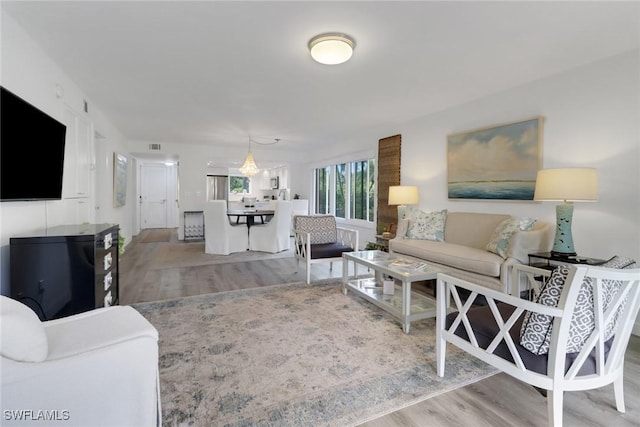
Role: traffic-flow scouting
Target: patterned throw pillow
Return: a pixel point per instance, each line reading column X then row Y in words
column 323, row 228
column 427, row 225
column 537, row 328
column 499, row 242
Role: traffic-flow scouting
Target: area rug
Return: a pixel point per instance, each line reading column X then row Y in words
column 294, row 355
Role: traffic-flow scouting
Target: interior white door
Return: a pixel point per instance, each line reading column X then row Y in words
column 173, row 208
column 153, row 209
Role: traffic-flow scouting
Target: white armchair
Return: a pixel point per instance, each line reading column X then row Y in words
column 220, row 237
column 319, row 239
column 572, row 338
column 273, row 236
column 97, row 368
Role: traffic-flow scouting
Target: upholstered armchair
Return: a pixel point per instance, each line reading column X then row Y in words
column 97, row 368
column 220, row 237
column 572, row 336
column 273, row 237
column 319, row 239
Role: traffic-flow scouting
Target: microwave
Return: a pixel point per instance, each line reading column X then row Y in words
column 275, row 183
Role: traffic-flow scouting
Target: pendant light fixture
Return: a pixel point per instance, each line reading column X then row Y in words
column 249, row 168
column 331, row 48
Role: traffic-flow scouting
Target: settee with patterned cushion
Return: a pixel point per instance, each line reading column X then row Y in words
column 571, row 336
column 479, row 247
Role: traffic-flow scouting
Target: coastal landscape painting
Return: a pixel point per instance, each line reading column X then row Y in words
column 495, row 163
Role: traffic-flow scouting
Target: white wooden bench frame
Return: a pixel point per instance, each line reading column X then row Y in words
column 302, row 242
column 556, row 381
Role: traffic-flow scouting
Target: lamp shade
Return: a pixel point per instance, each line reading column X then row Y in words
column 403, row 195
column 331, row 48
column 567, row 184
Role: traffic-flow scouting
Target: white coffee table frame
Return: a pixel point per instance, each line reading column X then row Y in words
column 407, row 305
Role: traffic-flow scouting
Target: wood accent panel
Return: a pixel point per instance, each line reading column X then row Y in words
column 389, row 150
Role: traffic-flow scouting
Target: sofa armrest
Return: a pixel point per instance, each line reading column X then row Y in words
column 94, row 330
column 524, row 243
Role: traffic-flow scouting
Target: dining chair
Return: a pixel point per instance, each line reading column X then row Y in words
column 273, row 236
column 572, row 337
column 220, row 236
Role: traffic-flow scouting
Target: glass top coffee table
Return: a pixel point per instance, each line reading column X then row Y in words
column 404, row 304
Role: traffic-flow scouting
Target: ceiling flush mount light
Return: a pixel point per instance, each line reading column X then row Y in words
column 249, row 168
column 331, row 48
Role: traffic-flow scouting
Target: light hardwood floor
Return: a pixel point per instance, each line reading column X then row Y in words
column 163, row 270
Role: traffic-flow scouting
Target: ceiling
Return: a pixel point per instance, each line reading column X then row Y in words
column 220, row 72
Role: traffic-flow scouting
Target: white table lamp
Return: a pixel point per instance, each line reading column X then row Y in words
column 567, row 185
column 403, row 195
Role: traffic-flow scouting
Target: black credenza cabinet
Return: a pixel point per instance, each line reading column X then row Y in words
column 66, row 269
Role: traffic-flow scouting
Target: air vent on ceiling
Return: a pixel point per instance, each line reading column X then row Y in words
column 154, row 147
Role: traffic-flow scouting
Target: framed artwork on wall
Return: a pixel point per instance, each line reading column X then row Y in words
column 119, row 180
column 499, row 162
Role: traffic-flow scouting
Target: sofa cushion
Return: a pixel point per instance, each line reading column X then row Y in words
column 329, row 250
column 22, row 335
column 426, row 225
column 536, row 331
column 457, row 256
column 501, row 237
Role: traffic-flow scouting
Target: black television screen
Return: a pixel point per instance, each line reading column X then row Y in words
column 31, row 151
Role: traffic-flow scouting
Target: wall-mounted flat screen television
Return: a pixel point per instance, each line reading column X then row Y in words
column 31, row 151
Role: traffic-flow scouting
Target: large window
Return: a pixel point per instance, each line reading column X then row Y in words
column 347, row 190
column 362, row 190
column 341, row 190
column 322, row 190
column 239, row 184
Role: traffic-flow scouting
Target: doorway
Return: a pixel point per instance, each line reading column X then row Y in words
column 158, row 195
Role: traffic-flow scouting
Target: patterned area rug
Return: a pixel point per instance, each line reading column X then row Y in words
column 294, row 355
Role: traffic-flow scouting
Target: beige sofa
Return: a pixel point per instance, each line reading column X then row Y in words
column 463, row 251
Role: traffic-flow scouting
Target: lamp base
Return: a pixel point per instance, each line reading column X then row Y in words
column 402, row 212
column 563, row 243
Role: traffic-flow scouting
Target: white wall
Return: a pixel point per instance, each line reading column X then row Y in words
column 29, row 73
column 592, row 119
